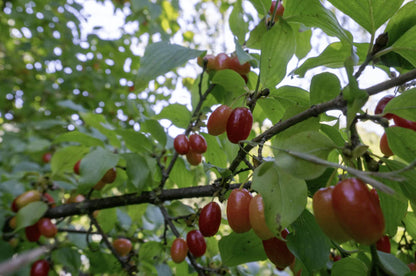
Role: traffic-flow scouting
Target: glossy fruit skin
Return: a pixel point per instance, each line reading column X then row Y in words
column 384, row 146
column 32, row 233
column 196, row 243
column 194, row 158
column 76, row 167
column 239, row 124
column 280, row 9
column 398, row 121
column 46, row 157
column 233, row 63
column 109, row 176
column 325, row 216
column 122, row 246
column 181, row 144
column 27, row 197
column 178, row 250
column 197, row 143
column 210, row 219
column 382, row 104
column 257, row 219
column 217, row 121
column 40, row 268
column 358, row 211
column 383, row 244
column 238, row 210
column 13, row 206
column 209, row 59
column 278, row 252
column 49, row 199
column 221, row 61
column 47, row 228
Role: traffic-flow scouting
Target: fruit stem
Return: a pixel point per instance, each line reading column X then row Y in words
column 377, row 268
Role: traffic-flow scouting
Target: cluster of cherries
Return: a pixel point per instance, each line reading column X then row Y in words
column 398, row 122
column 223, row 61
column 349, row 211
column 193, row 147
column 109, row 176
column 209, row 223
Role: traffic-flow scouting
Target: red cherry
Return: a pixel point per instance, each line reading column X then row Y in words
column 398, row 121
column 47, row 228
column 197, row 143
column 239, row 124
column 194, row 158
column 40, row 268
column 209, row 59
column 46, row 158
column 196, row 243
column 358, row 211
column 220, row 61
column 179, row 250
column 13, row 206
column 210, row 219
column 238, row 206
column 280, row 9
column 217, row 122
column 122, row 246
column 278, row 252
column 383, row 244
column 76, row 167
column 32, row 233
column 109, row 176
column 382, row 104
column 233, row 63
column 49, row 199
column 384, row 146
column 181, row 144
column 257, row 219
column 412, row 266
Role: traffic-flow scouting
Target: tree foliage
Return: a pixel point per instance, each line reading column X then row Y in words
column 120, row 102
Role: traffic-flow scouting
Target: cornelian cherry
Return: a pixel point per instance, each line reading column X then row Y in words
column 217, row 122
column 181, row 144
column 196, row 243
column 238, row 210
column 197, row 143
column 179, row 250
column 210, row 219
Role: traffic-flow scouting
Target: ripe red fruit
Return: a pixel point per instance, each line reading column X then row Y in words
column 358, row 211
column 181, row 144
column 239, row 124
column 76, row 167
column 382, row 104
column 40, row 268
column 26, row 198
column 234, row 64
column 32, row 233
column 122, row 246
column 217, row 122
column 277, row 251
column 412, row 266
column 209, row 59
column 13, row 206
column 257, row 219
column 398, row 121
column 325, row 216
column 210, row 219
column 220, row 61
column 179, row 250
column 383, row 244
column 197, row 143
column 49, row 199
column 47, row 228
column 384, row 146
column 196, row 243
column 280, row 9
column 109, row 176
column 238, row 210
column 193, row 158
column 46, row 157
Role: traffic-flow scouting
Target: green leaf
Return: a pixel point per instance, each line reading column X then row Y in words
column 404, row 148
column 236, row 21
column 393, row 264
column 230, row 80
column 242, row 248
column 270, row 108
column 69, row 258
column 211, row 155
column 311, row 13
column 256, row 35
column 408, row 186
column 410, row 223
column 107, row 218
column 160, row 58
column 71, row 105
column 291, row 95
column 406, row 46
column 284, row 196
column 369, row 14
column 349, row 266
column 277, row 48
column 303, row 40
column 30, row 214
column 138, row 171
column 93, row 167
column 403, row 105
column 324, row 87
column 98, row 122
column 157, row 132
column 308, row 142
column 308, row 243
column 242, row 55
column 79, row 137
column 64, row 159
column 178, row 114
column 135, row 141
